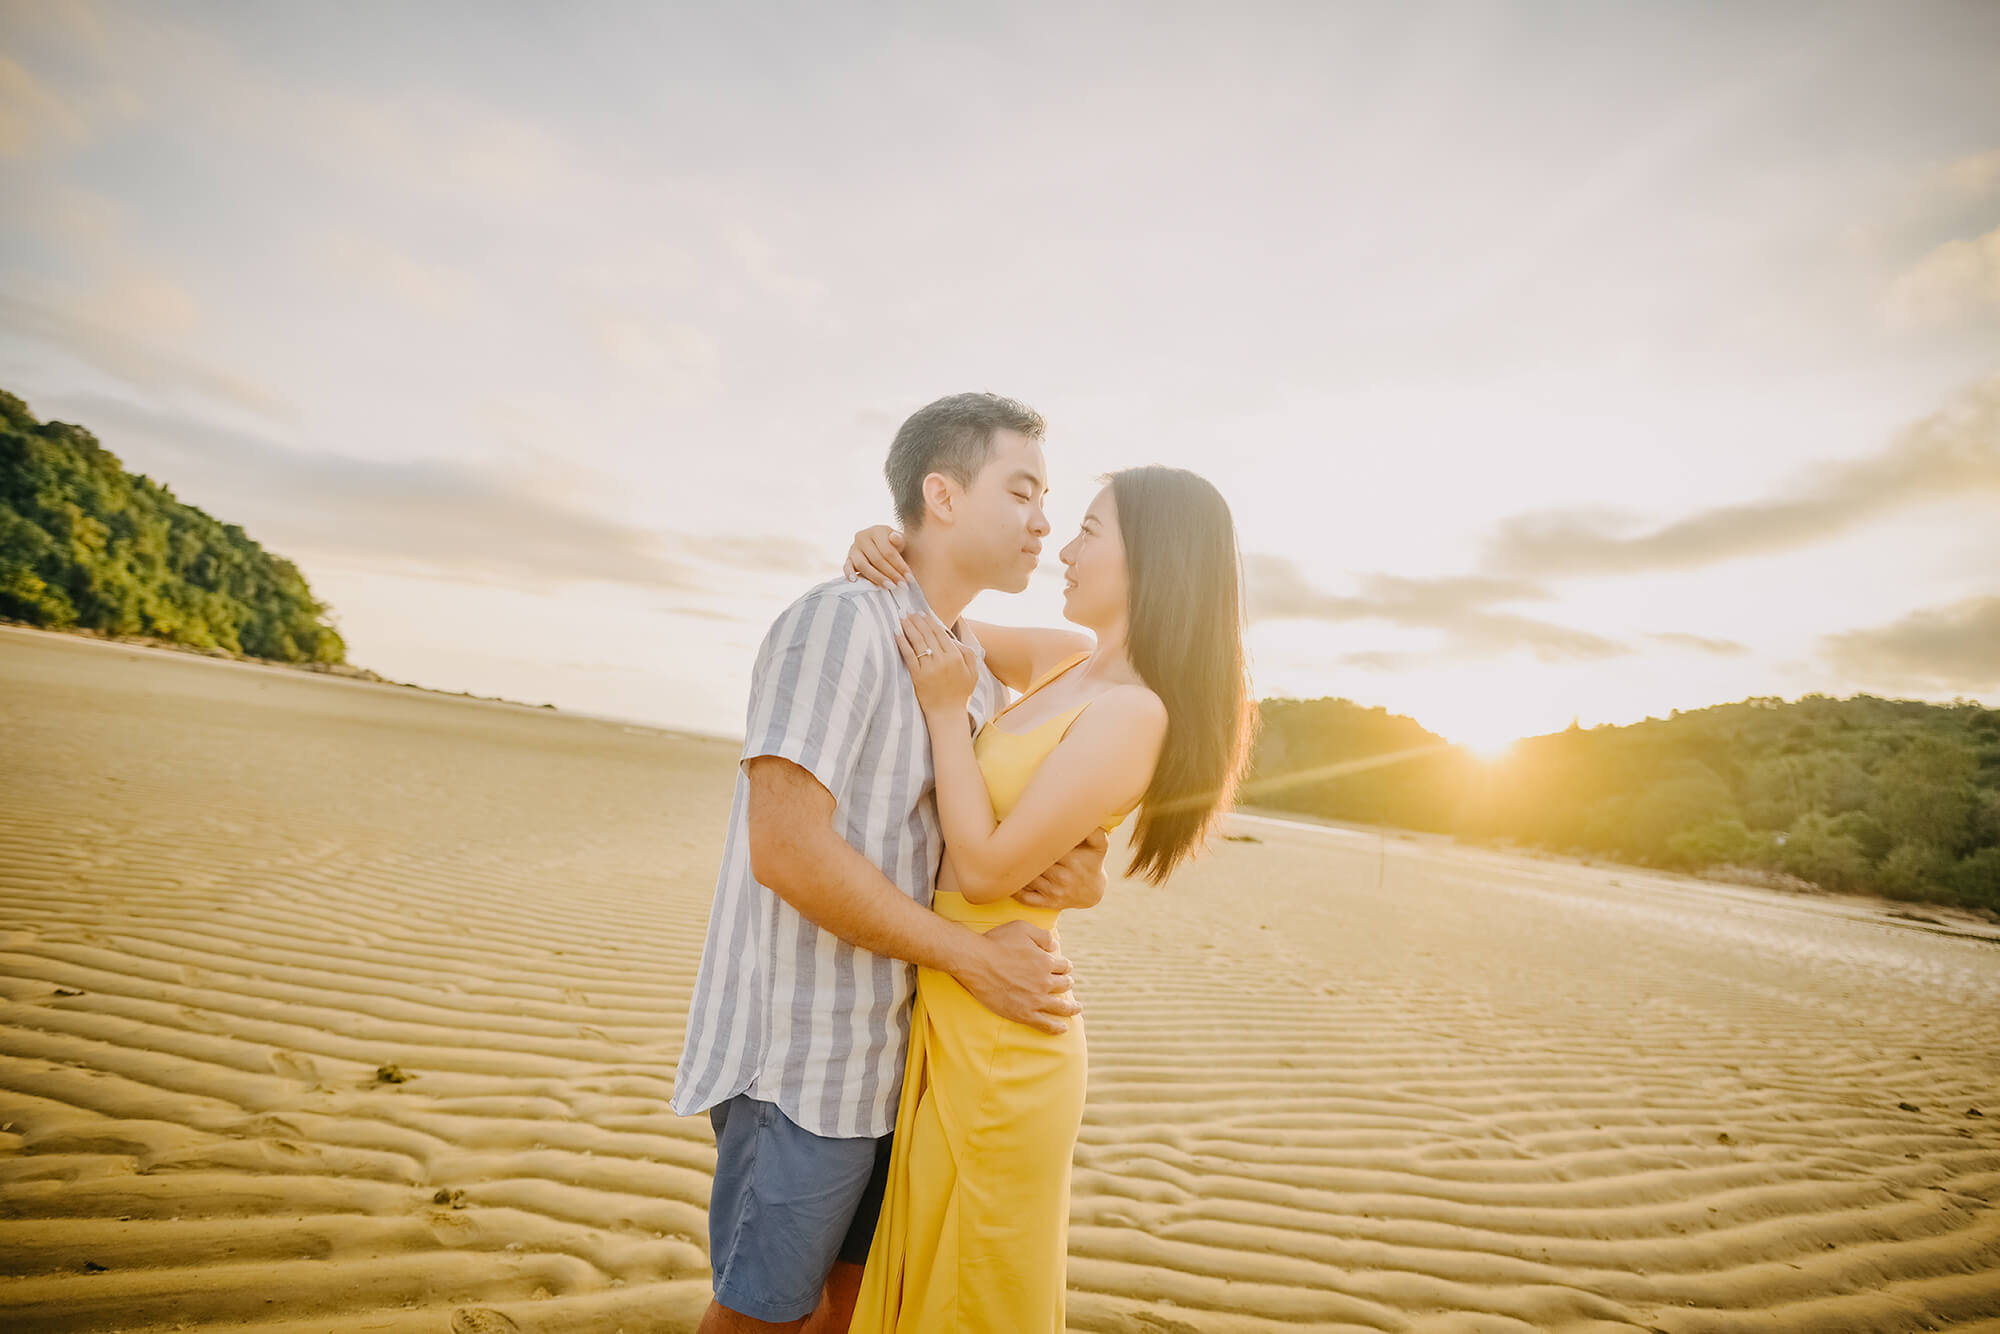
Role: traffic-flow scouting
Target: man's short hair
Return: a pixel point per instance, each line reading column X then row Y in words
column 953, row 436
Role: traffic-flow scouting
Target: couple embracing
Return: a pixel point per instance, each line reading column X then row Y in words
column 882, row 1030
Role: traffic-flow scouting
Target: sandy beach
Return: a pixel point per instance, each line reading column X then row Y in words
column 330, row 1006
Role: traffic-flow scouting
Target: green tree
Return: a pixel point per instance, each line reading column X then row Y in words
column 1925, row 794
column 1815, row 850
column 1866, row 831
column 1976, row 880
column 1725, row 841
column 85, row 543
column 1914, row 871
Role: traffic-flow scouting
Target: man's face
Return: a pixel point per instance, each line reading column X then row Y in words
column 999, row 530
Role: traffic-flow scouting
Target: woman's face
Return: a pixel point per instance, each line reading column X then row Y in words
column 1094, row 594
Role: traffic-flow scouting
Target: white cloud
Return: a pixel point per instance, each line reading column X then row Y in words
column 137, row 361
column 805, row 297
column 1950, row 454
column 32, row 118
column 673, row 359
column 1974, row 176
column 426, row 287
column 1956, row 283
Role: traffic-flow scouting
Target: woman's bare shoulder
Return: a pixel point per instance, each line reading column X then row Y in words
column 1132, row 707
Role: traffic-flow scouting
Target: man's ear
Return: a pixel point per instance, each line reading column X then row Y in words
column 940, row 498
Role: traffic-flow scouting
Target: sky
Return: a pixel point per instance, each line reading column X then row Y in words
column 1558, row 361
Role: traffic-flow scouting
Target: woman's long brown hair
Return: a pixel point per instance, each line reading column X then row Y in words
column 1184, row 636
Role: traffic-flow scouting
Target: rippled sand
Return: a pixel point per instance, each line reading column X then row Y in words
column 1490, row 1094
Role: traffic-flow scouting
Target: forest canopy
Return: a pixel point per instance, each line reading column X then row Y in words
column 85, row 544
column 1892, row 797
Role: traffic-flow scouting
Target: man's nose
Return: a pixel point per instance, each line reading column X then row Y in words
column 1039, row 525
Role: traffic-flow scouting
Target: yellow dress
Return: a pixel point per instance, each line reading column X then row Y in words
column 974, row 1229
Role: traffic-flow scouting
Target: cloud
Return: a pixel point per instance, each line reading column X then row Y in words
column 129, row 289
column 1954, row 647
column 1374, row 660
column 441, row 517
column 1725, row 648
column 31, row 116
column 1952, row 454
column 425, row 287
column 803, row 296
column 150, row 66
column 134, row 361
column 671, row 357
column 1974, row 176
column 764, row 554
column 1459, row 606
column 1954, row 284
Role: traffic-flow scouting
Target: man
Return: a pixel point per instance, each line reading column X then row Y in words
column 798, row 1027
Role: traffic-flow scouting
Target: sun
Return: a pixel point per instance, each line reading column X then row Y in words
column 1486, row 743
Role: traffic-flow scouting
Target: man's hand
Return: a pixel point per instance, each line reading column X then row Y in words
column 1016, row 971
column 1076, row 881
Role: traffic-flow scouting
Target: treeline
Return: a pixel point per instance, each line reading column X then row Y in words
column 1892, row 797
column 85, row 544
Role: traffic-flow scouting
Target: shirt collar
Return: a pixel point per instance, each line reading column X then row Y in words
column 910, row 597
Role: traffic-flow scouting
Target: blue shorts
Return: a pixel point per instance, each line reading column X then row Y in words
column 786, row 1204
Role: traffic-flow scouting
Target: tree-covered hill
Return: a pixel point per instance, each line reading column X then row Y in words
column 85, row 544
column 1893, row 797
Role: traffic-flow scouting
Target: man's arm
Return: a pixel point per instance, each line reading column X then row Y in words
column 1013, row 970
column 1077, row 879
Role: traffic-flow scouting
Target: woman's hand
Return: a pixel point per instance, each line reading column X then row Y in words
column 942, row 669
column 877, row 556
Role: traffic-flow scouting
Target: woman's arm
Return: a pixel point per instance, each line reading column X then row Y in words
column 1100, row 767
column 1020, row 654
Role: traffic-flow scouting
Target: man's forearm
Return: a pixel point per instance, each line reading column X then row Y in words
column 839, row 890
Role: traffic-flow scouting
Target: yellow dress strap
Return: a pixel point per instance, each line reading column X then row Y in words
column 1041, row 681
column 1051, row 674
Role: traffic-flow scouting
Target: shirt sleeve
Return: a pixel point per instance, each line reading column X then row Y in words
column 819, row 677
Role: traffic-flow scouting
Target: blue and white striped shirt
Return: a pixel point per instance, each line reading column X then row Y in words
column 781, row 1009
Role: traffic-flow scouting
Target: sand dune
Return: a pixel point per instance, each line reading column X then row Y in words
column 238, row 905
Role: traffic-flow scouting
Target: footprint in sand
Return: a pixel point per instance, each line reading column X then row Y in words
column 1159, row 1324
column 199, row 1021
column 482, row 1320
column 575, row 997
column 450, row 1229
column 294, row 1066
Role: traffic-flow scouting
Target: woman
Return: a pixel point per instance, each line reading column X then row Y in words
column 1154, row 715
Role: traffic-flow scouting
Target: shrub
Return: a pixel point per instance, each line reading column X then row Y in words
column 1976, row 880
column 1813, row 850
column 1914, row 871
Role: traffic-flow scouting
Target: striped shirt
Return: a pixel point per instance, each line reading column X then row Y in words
column 781, row 1009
